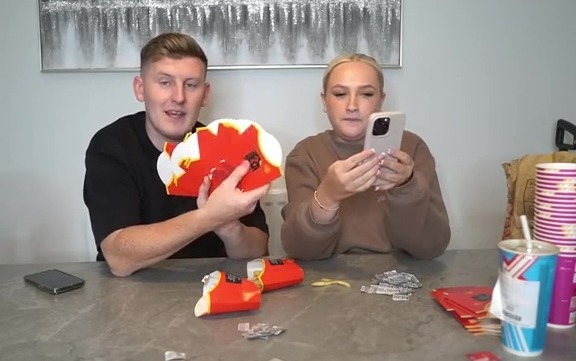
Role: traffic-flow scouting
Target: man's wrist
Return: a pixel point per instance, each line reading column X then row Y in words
column 230, row 229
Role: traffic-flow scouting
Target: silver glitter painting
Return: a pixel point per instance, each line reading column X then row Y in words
column 86, row 35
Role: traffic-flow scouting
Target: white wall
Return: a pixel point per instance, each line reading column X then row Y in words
column 483, row 82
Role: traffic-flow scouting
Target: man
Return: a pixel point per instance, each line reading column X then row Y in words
column 135, row 223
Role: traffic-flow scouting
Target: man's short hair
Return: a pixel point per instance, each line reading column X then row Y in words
column 171, row 45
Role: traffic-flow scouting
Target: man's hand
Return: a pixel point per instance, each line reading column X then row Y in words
column 227, row 203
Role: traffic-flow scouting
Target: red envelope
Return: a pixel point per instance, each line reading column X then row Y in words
column 222, row 136
column 244, row 146
column 469, row 305
column 195, row 169
column 475, row 300
column 187, row 184
column 251, row 146
column 215, row 151
column 217, row 156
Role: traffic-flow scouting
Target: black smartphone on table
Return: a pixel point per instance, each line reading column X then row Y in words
column 54, row 281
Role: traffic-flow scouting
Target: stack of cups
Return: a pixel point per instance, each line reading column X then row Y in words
column 555, row 222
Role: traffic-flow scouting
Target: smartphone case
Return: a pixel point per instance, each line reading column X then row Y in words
column 54, row 281
column 392, row 139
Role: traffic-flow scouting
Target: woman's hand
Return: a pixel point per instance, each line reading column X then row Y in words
column 347, row 177
column 396, row 169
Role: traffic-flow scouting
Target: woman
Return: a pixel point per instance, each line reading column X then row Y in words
column 333, row 206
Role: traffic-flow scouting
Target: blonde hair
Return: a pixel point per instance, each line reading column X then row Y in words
column 345, row 58
column 171, row 45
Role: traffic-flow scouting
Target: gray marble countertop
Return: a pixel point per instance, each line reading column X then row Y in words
column 152, row 311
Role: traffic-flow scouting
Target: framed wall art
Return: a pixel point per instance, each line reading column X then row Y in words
column 106, row 35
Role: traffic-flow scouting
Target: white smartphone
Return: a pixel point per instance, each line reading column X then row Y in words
column 384, row 132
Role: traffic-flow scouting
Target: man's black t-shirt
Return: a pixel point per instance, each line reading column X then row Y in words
column 122, row 188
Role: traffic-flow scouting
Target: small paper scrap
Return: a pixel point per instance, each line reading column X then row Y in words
column 174, row 356
column 259, row 330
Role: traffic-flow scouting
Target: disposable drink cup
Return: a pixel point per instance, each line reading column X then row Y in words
column 526, row 281
column 563, row 306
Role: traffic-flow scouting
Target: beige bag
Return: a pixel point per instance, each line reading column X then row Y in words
column 520, row 176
